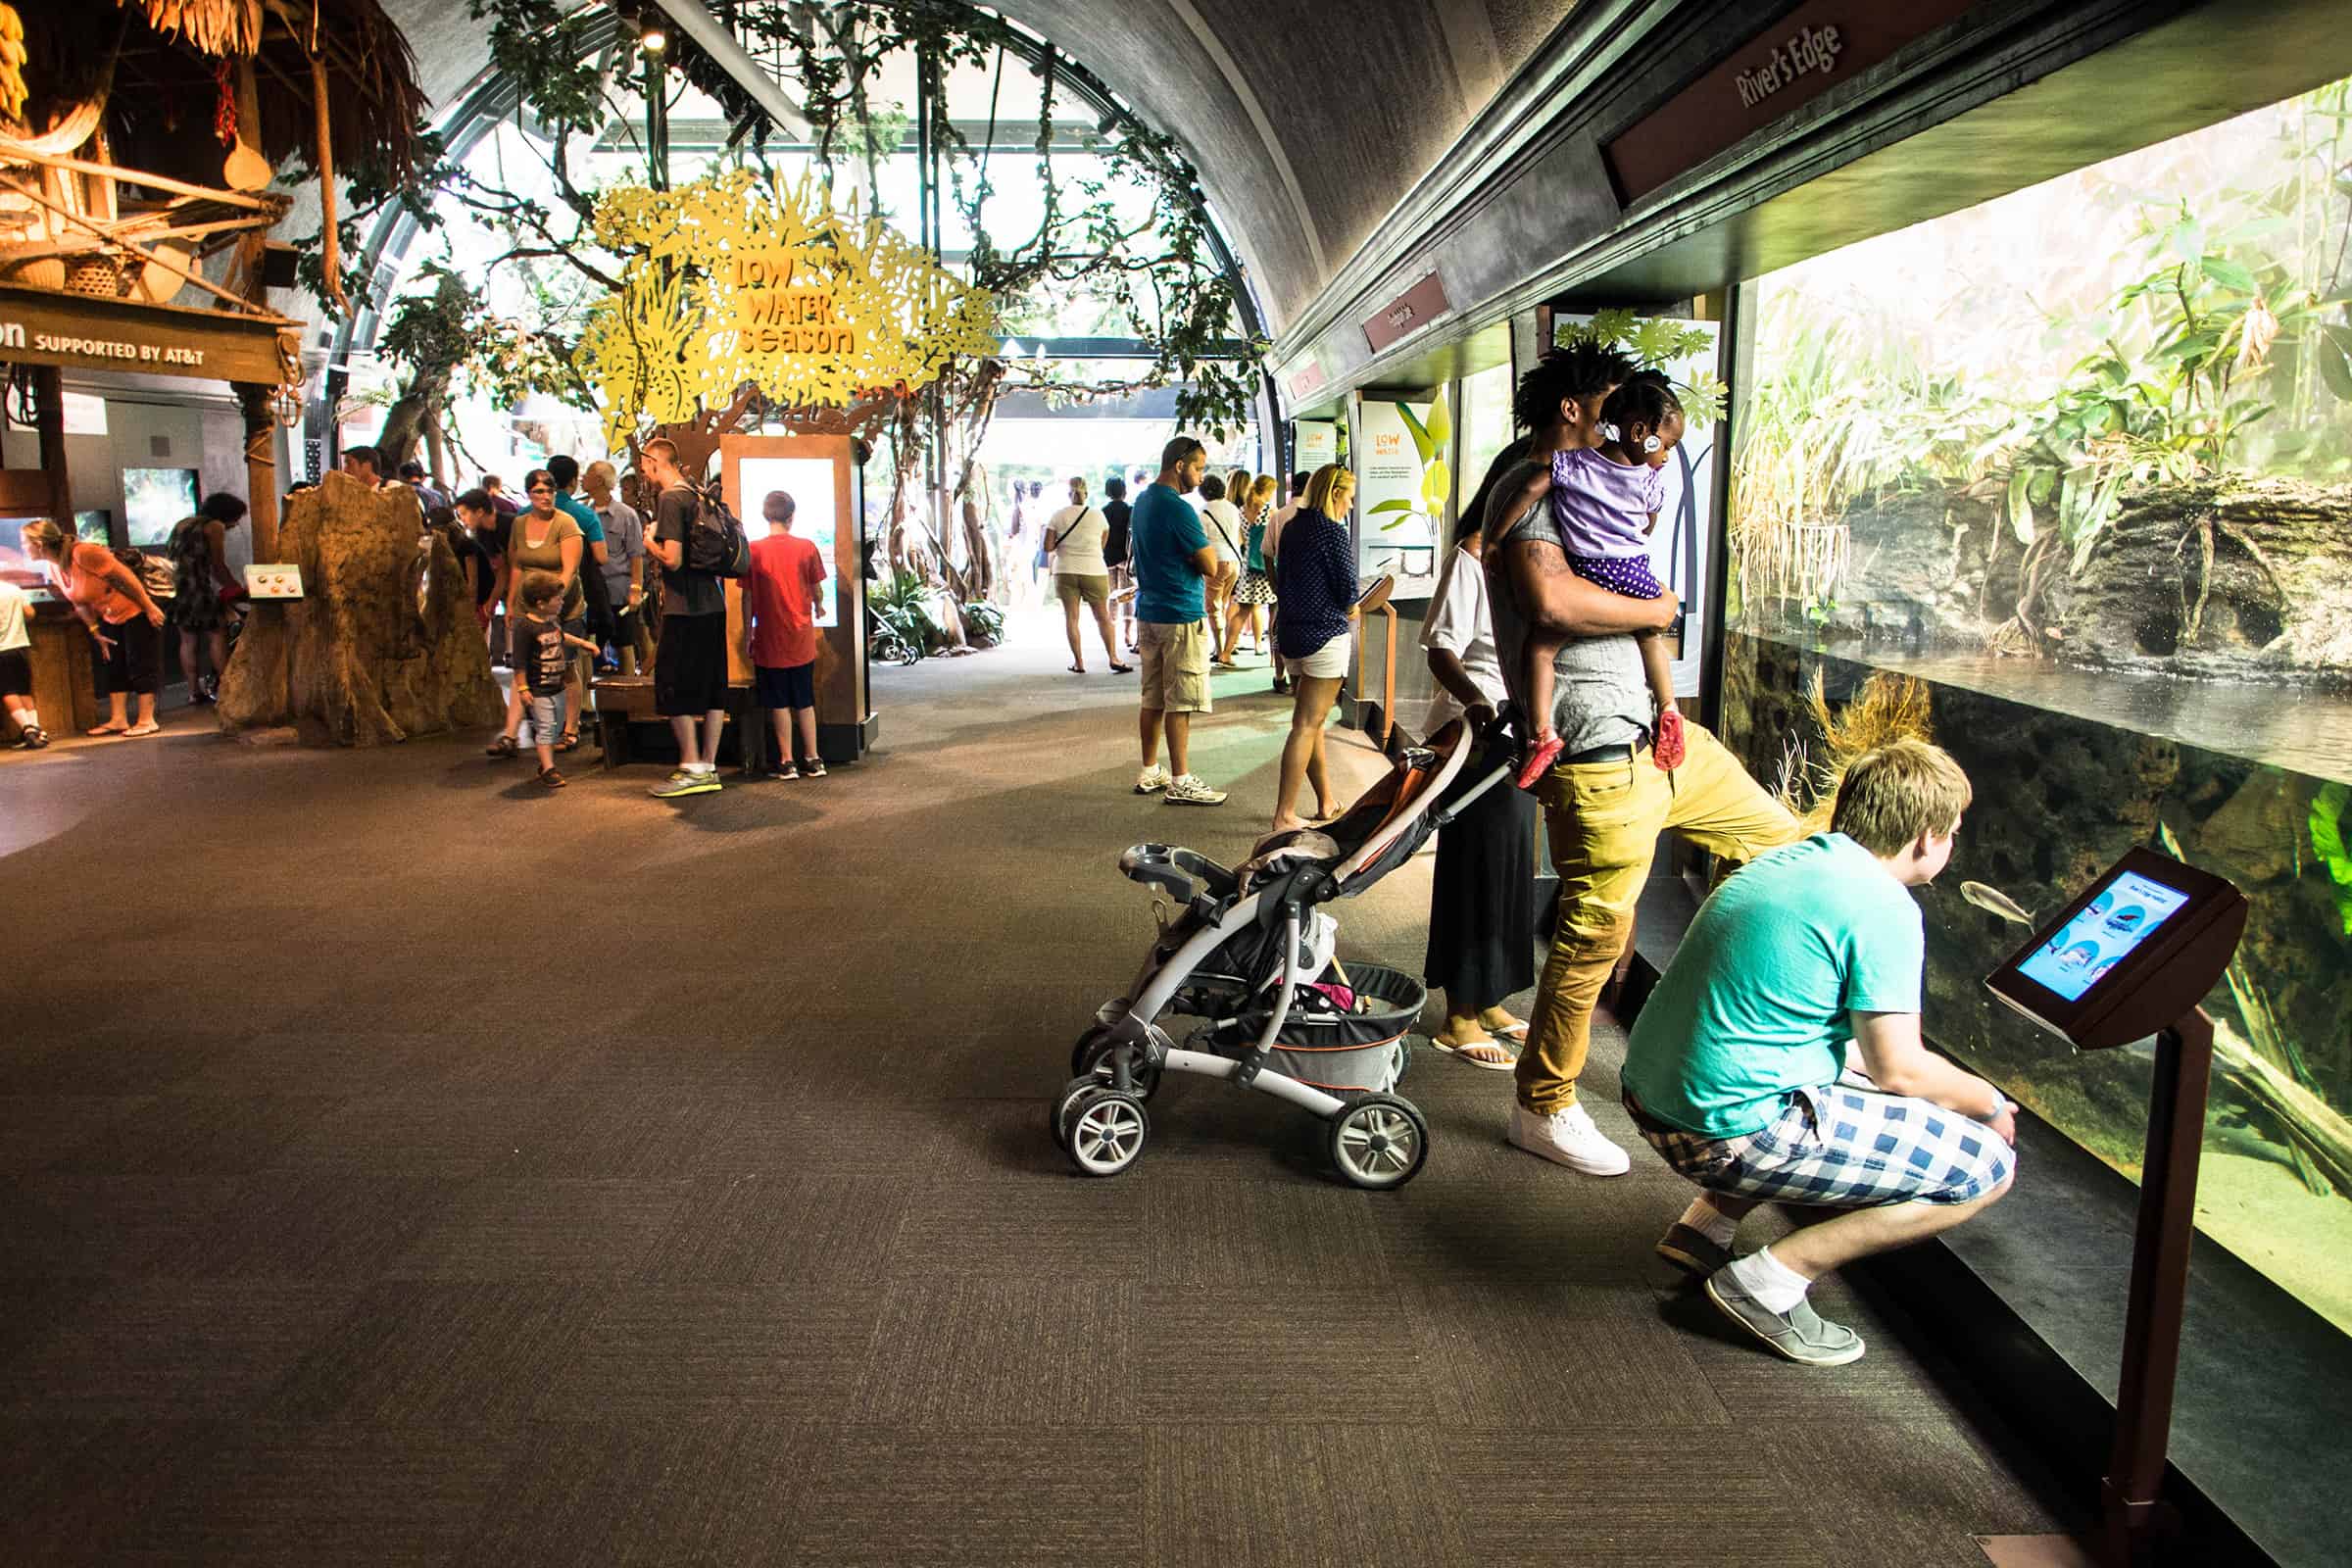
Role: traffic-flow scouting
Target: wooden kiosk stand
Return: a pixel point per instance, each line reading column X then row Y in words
column 820, row 473
column 2131, row 958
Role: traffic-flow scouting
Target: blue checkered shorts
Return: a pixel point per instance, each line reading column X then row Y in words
column 1845, row 1147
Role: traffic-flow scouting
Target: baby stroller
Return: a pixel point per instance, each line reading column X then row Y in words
column 1249, row 954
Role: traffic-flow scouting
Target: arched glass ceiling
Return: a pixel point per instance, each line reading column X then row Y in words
column 994, row 108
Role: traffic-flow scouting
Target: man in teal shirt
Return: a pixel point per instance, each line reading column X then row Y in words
column 1736, row 1070
column 1170, row 556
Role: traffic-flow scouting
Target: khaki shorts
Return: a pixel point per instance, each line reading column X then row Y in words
column 1175, row 665
column 1071, row 587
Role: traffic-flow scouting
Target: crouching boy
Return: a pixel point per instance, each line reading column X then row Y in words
column 1737, row 1072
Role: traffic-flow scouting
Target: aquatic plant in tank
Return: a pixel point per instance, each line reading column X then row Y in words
column 2075, row 467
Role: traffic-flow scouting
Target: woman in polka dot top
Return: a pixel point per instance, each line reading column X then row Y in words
column 1605, row 500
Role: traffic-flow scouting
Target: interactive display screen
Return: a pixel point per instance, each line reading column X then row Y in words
column 2118, row 920
column 815, row 515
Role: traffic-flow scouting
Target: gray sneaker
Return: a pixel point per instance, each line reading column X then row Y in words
column 1692, row 1251
column 682, row 783
column 1802, row 1334
column 1190, row 789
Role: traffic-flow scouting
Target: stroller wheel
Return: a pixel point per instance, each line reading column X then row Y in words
column 1087, row 1050
column 1058, row 1120
column 1106, row 1130
column 1380, row 1141
column 1092, row 1060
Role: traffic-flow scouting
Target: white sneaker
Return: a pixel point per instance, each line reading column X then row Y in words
column 1151, row 780
column 1567, row 1137
column 1193, row 790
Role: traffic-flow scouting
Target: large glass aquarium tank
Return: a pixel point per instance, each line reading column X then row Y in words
column 2066, row 477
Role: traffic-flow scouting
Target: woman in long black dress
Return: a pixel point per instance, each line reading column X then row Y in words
column 1482, row 892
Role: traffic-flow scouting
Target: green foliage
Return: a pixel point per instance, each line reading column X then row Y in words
column 985, row 621
column 1656, row 344
column 2329, row 809
column 447, row 336
column 2225, row 346
column 903, row 629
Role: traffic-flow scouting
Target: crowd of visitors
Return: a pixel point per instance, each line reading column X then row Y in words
column 1779, row 1057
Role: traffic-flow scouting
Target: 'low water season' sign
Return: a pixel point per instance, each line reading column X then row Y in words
column 737, row 279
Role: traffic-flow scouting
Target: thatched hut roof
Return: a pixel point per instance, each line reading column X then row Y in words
column 160, row 63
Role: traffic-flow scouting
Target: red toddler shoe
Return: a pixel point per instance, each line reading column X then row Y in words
column 1539, row 760
column 1668, row 749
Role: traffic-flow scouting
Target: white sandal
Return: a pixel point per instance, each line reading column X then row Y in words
column 1461, row 1052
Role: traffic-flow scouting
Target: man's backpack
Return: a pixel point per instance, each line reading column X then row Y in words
column 716, row 544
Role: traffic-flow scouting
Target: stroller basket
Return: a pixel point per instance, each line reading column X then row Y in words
column 1346, row 1053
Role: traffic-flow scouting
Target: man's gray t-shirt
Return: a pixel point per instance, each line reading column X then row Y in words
column 1599, row 693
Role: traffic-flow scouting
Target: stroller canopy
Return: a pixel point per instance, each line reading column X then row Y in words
column 1395, row 816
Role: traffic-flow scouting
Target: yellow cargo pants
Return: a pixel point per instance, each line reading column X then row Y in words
column 1603, row 821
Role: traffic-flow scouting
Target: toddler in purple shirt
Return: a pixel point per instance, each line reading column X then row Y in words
column 1605, row 500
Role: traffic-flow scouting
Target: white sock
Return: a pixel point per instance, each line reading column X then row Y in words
column 1711, row 1222
column 700, row 767
column 1776, row 1286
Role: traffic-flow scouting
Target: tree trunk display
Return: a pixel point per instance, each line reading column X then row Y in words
column 384, row 644
column 2219, row 580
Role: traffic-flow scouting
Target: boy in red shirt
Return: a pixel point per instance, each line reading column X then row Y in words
column 784, row 590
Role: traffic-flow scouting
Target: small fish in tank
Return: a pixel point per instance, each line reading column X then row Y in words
column 1993, row 900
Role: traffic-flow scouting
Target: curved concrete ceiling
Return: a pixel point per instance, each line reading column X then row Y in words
column 1307, row 121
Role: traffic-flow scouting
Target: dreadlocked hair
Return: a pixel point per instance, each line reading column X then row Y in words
column 1643, row 399
column 1578, row 372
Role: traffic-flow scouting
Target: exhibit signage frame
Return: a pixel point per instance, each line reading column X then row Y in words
column 72, row 332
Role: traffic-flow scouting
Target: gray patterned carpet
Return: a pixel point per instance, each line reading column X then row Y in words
column 397, row 1166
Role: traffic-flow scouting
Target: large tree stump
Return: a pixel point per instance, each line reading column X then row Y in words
column 383, row 645
column 2219, row 580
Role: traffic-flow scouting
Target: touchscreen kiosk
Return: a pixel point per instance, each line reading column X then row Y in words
column 2139, row 947
column 2132, row 956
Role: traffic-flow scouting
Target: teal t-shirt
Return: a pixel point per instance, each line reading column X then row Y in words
column 592, row 526
column 1754, row 1002
column 1162, row 536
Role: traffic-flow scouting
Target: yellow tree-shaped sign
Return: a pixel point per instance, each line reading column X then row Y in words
column 736, row 279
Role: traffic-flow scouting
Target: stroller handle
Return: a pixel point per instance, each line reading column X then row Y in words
column 1175, row 868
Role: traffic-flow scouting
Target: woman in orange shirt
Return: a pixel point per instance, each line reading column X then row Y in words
column 124, row 621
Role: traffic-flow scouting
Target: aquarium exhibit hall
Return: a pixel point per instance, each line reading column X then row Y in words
column 1150, row 781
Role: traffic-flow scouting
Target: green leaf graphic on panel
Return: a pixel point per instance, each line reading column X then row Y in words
column 1436, row 482
column 1418, row 431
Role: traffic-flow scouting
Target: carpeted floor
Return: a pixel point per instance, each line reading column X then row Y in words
column 399, row 1166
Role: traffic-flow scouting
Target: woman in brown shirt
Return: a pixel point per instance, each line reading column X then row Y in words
column 543, row 540
column 124, row 621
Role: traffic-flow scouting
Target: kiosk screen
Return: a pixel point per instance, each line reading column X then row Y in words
column 2115, row 922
